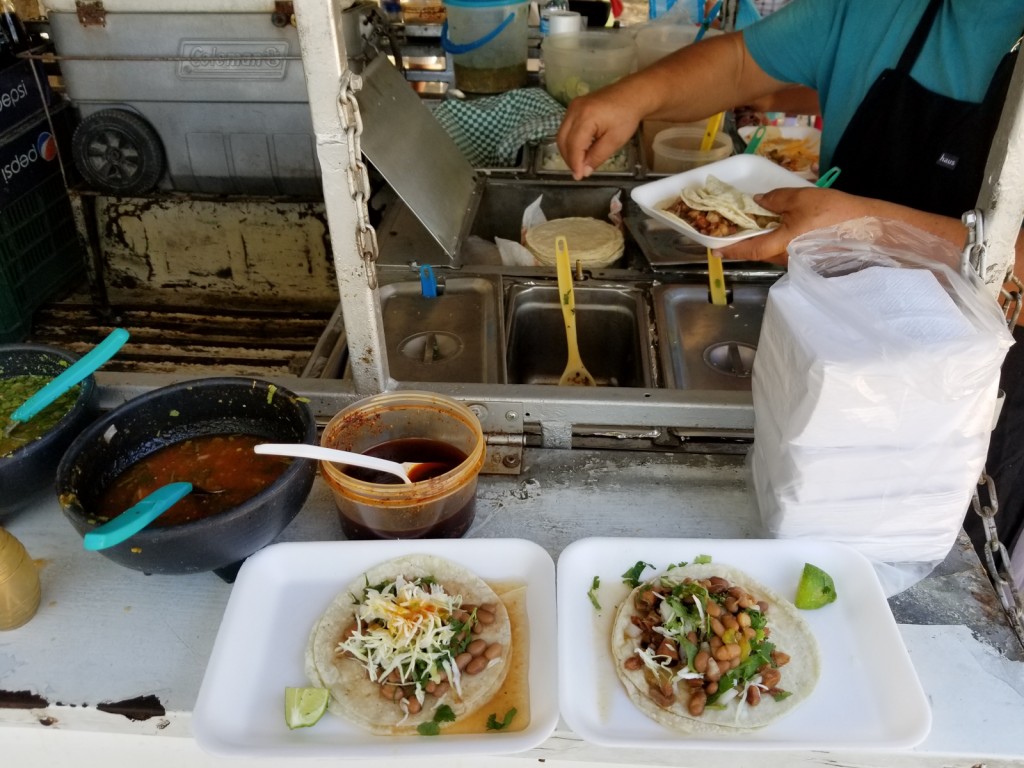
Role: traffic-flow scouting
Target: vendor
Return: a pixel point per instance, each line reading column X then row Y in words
column 910, row 91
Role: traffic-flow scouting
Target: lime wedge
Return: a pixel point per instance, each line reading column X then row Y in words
column 816, row 588
column 304, row 707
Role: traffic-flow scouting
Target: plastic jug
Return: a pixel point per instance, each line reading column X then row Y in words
column 488, row 42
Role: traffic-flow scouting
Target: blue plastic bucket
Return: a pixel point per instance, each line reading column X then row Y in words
column 488, row 42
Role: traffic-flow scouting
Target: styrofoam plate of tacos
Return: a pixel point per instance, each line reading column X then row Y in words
column 848, row 684
column 724, row 189
column 289, row 596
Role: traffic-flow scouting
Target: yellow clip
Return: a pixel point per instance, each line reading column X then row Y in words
column 714, row 124
column 716, row 280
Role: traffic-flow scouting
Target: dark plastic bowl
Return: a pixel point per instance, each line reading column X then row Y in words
column 162, row 417
column 31, row 469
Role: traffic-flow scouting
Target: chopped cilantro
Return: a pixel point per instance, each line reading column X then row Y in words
column 592, row 592
column 444, row 714
column 432, row 727
column 702, row 559
column 632, row 576
column 493, row 724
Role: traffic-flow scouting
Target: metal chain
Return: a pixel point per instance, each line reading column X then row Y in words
column 997, row 559
column 358, row 178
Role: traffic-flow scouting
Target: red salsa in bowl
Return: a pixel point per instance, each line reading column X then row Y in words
column 223, row 470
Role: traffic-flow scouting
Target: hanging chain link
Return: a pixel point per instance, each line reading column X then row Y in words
column 997, row 558
column 358, row 178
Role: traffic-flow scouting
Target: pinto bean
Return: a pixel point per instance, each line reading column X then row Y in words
column 743, row 619
column 442, row 688
column 711, row 688
column 477, row 646
column 721, row 653
column 413, row 705
column 780, row 658
column 753, row 695
column 493, row 651
column 714, row 609
column 632, row 663
column 718, row 627
column 698, row 700
column 731, row 604
column 484, row 616
column 770, row 677
column 700, row 661
column 463, row 659
column 476, row 666
column 391, row 692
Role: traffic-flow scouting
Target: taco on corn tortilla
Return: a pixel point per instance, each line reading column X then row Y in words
column 704, row 648
column 718, row 209
column 406, row 637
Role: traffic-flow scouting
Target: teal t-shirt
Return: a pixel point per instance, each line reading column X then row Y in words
column 839, row 48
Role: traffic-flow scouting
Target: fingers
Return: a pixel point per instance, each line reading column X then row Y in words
column 767, row 247
column 591, row 132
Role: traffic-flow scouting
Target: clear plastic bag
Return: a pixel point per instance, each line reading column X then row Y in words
column 874, row 387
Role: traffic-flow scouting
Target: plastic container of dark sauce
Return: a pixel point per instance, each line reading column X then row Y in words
column 406, row 427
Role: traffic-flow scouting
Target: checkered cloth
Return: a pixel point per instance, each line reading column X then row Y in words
column 491, row 130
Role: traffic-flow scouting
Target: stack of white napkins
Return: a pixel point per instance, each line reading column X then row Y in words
column 862, row 440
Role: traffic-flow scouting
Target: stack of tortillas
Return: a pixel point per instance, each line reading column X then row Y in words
column 592, row 242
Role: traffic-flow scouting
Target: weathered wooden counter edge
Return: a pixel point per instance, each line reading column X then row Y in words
column 114, row 659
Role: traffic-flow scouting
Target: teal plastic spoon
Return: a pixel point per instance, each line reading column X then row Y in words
column 827, row 178
column 74, row 374
column 755, row 140
column 134, row 519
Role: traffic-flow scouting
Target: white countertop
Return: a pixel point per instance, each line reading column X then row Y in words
column 106, row 635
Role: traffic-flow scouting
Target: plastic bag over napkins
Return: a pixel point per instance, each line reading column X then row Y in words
column 874, row 388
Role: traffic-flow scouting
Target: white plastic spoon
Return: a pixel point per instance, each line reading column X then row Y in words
column 306, row 451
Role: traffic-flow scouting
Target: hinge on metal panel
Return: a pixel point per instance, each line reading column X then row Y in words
column 91, row 14
column 283, row 15
column 502, row 424
column 972, row 258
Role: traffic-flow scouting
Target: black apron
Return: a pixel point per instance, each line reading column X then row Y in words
column 912, row 146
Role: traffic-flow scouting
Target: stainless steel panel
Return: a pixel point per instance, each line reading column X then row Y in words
column 455, row 337
column 611, row 325
column 704, row 345
column 416, row 156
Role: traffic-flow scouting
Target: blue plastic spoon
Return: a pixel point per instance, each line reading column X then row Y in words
column 74, row 374
column 134, row 519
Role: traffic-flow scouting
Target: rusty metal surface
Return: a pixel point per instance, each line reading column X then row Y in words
column 188, row 340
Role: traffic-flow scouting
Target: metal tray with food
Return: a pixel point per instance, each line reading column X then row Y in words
column 548, row 161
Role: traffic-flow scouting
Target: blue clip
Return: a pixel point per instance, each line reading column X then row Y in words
column 428, row 283
column 705, row 23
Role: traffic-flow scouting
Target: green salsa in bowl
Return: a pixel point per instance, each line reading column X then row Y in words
column 30, row 453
